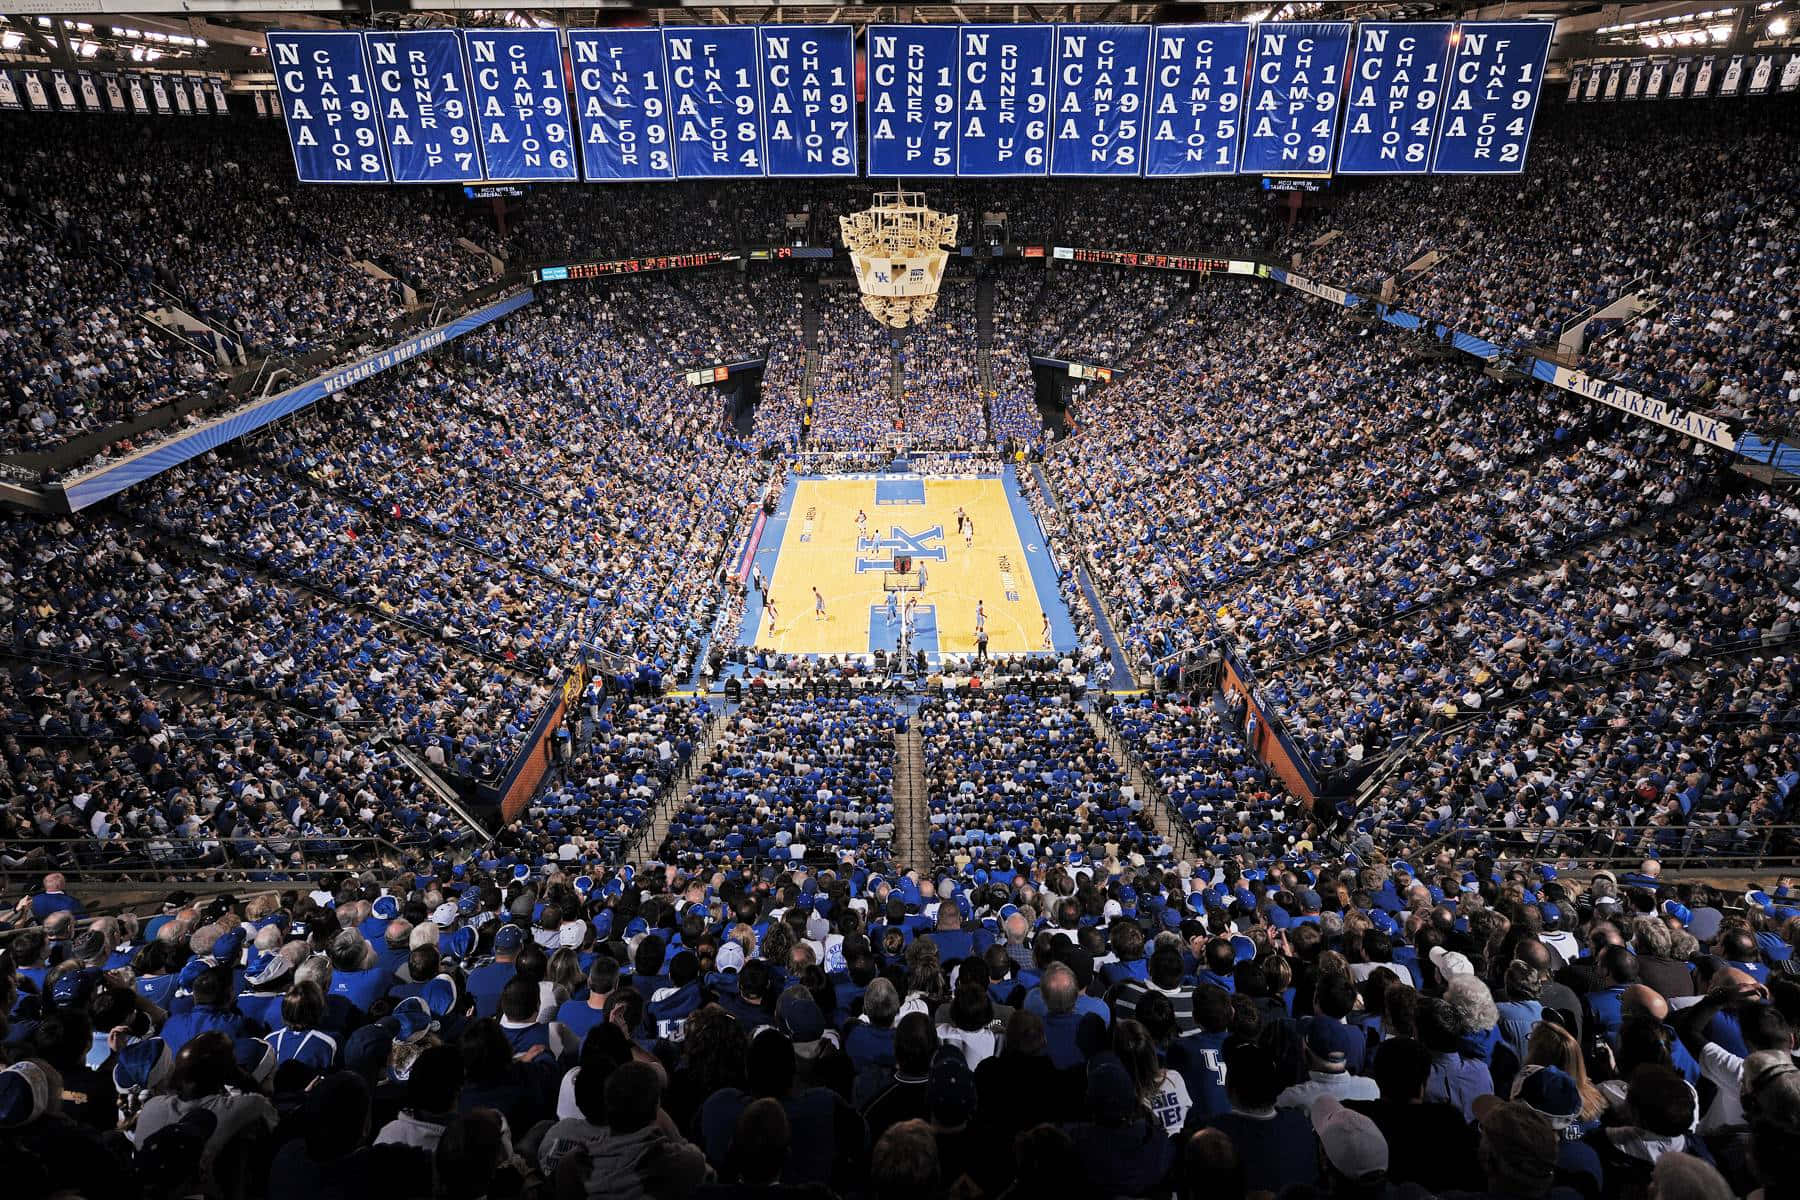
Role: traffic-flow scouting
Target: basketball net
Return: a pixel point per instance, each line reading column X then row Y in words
column 898, row 248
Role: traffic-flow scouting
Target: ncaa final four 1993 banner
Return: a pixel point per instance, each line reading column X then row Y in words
column 622, row 104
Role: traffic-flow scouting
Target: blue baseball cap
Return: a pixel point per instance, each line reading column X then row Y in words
column 1333, row 1042
column 229, row 946
column 508, row 938
column 73, row 989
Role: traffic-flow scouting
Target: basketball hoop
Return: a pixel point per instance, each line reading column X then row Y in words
column 898, row 248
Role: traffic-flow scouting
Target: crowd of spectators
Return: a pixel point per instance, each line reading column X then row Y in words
column 941, row 404
column 792, row 771
column 1102, row 314
column 854, row 405
column 1708, row 250
column 103, row 221
column 108, row 596
column 1018, row 773
column 483, row 1026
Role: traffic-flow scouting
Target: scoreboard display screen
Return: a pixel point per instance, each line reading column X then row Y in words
column 1283, row 98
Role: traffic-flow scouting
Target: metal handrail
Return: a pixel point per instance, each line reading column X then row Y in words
column 169, row 859
column 1698, row 846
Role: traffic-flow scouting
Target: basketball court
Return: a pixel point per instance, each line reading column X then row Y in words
column 908, row 549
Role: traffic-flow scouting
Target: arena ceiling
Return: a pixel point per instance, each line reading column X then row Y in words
column 226, row 35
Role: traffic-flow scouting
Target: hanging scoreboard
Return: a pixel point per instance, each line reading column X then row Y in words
column 422, row 94
column 1197, row 99
column 1490, row 102
column 809, row 99
column 622, row 104
column 1292, row 99
column 913, row 74
column 715, row 91
column 328, row 103
column 1396, row 87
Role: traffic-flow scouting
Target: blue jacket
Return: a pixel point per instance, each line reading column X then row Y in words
column 183, row 1028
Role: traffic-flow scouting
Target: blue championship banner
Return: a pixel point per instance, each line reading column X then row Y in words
column 715, row 90
column 1102, row 77
column 1396, row 88
column 423, row 96
column 1495, row 77
column 328, row 103
column 1197, row 99
column 521, row 105
column 1293, row 98
column 809, row 99
column 622, row 102
column 1004, row 99
column 912, row 99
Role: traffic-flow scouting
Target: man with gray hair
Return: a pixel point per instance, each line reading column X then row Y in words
column 358, row 974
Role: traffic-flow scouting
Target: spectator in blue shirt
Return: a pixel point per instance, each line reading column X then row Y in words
column 211, row 1011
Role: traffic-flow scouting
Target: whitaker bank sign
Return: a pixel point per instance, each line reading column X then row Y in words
column 1700, row 426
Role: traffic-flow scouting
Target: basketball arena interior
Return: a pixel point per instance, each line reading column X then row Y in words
column 909, row 602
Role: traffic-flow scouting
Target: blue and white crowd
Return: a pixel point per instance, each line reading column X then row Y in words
column 1127, row 956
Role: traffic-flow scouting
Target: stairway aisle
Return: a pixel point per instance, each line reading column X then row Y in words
column 649, row 839
column 1156, row 805
column 912, row 811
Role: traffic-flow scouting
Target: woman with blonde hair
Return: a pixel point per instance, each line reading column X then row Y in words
column 1550, row 1045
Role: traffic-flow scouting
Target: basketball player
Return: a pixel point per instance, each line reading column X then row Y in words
column 769, row 606
column 893, row 610
column 818, row 606
column 862, row 527
column 1047, row 642
column 968, row 533
column 980, row 617
column 912, row 602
